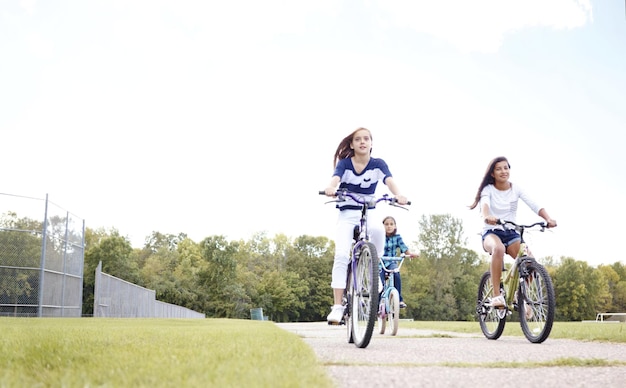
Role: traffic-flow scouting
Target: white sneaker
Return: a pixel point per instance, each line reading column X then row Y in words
column 498, row 301
column 336, row 314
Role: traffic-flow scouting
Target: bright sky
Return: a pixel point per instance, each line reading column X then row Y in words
column 222, row 117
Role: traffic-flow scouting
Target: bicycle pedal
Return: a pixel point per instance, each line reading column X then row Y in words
column 334, row 323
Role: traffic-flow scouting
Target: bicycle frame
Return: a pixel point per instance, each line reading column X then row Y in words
column 509, row 282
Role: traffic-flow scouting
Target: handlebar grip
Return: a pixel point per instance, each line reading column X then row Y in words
column 322, row 192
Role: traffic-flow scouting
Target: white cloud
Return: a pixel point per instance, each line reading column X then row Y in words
column 29, row 6
column 482, row 25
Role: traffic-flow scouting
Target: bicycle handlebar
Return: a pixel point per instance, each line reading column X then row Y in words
column 519, row 226
column 341, row 194
column 397, row 259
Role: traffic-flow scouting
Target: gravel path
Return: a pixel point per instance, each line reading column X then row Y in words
column 413, row 359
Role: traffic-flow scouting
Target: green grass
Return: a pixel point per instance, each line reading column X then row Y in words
column 582, row 331
column 85, row 352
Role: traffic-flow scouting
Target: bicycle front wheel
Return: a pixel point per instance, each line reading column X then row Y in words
column 491, row 324
column 393, row 314
column 382, row 314
column 347, row 300
column 537, row 304
column 364, row 296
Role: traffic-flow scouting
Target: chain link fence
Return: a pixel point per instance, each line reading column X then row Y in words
column 117, row 298
column 42, row 248
column 41, row 258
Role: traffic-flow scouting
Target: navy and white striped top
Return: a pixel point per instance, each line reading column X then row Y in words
column 363, row 183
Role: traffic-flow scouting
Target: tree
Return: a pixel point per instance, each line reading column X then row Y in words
column 442, row 283
column 312, row 259
column 581, row 291
column 217, row 275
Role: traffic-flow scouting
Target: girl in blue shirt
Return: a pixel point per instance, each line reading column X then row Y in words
column 393, row 244
column 356, row 171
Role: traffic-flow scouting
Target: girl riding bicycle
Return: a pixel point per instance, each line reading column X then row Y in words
column 393, row 243
column 498, row 198
column 358, row 172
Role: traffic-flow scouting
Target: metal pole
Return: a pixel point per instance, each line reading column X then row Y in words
column 44, row 236
column 81, row 269
column 67, row 218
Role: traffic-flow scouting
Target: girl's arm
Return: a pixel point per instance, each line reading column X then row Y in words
column 544, row 214
column 402, row 200
column 404, row 249
column 332, row 186
column 487, row 216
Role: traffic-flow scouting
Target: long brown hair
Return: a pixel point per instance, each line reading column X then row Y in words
column 488, row 179
column 344, row 150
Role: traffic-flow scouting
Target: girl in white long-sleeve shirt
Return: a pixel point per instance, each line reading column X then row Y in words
column 498, row 199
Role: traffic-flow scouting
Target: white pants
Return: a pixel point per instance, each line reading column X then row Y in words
column 346, row 222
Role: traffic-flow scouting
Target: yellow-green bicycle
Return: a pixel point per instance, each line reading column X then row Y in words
column 527, row 288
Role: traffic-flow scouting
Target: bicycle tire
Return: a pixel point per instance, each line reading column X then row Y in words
column 347, row 296
column 491, row 324
column 365, row 295
column 538, row 294
column 393, row 315
column 382, row 315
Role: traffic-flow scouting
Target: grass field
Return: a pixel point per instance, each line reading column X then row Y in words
column 88, row 352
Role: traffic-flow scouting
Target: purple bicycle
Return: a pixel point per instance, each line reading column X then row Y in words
column 361, row 293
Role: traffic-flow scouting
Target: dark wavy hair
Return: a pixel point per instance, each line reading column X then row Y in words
column 488, row 179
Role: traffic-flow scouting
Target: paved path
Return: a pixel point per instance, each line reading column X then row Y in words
column 414, row 358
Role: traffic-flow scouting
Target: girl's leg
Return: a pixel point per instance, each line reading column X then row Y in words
column 343, row 243
column 377, row 232
column 495, row 248
column 398, row 284
column 382, row 276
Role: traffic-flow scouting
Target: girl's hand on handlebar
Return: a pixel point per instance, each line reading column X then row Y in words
column 412, row 255
column 330, row 191
column 402, row 200
column 550, row 223
column 491, row 220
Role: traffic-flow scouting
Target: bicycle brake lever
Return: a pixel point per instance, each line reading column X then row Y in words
column 395, row 204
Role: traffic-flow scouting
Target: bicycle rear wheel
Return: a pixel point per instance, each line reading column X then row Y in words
column 491, row 324
column 393, row 314
column 537, row 304
column 364, row 296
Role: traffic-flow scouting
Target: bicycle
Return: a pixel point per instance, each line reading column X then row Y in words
column 526, row 287
column 360, row 297
column 389, row 306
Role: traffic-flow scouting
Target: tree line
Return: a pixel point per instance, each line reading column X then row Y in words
column 289, row 278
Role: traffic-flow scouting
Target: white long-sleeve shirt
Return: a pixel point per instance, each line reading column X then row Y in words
column 503, row 203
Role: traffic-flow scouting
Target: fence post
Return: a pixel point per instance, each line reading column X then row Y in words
column 44, row 236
